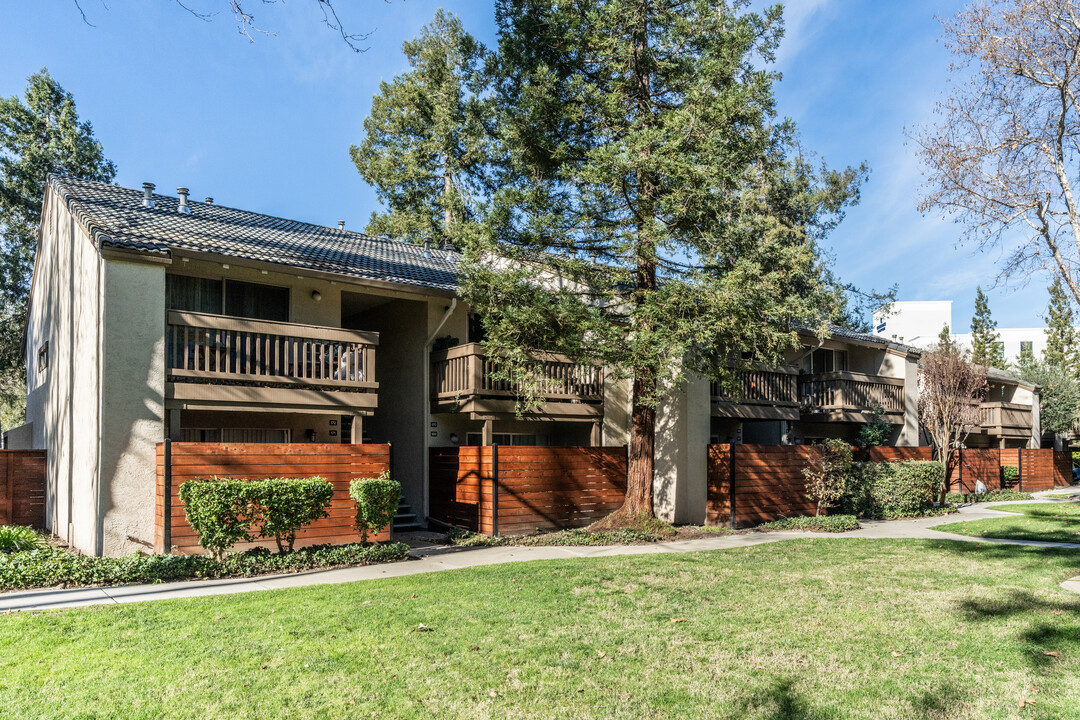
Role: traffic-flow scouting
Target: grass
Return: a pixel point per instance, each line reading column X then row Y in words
column 1051, row 522
column 1062, row 494
column 585, row 536
column 817, row 628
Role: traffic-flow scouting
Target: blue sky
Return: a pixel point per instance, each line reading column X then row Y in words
column 266, row 125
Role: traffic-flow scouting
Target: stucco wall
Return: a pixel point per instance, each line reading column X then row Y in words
column 64, row 399
column 133, row 403
column 682, row 436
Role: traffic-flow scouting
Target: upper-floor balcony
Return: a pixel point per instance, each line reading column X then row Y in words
column 218, row 362
column 1003, row 419
column 462, row 381
column 851, row 397
column 760, row 395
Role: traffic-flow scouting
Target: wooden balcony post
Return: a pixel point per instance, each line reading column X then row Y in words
column 486, row 434
column 357, row 435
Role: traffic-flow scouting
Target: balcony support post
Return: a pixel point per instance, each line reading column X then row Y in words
column 486, row 434
column 174, row 425
column 357, row 434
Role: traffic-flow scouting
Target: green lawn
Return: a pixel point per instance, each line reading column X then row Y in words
column 1055, row 522
column 812, row 629
column 1062, row 494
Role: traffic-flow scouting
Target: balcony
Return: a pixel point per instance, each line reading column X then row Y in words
column 849, row 397
column 1007, row 420
column 216, row 362
column 762, row 395
column 461, row 382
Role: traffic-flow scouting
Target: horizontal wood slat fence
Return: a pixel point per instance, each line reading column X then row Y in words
column 513, row 490
column 178, row 462
column 769, row 482
column 22, row 488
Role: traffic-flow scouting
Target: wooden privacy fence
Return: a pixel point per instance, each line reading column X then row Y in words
column 22, row 488
column 178, row 462
column 752, row 484
column 512, row 490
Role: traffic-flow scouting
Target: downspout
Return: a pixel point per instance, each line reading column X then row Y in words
column 445, row 317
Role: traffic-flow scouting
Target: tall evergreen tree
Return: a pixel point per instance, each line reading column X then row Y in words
column 39, row 134
column 655, row 216
column 1061, row 348
column 426, row 149
column 986, row 347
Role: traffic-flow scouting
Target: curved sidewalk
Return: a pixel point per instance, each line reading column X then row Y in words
column 437, row 558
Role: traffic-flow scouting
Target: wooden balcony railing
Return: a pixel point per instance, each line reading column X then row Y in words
column 851, row 392
column 760, row 387
column 1002, row 418
column 464, row 372
column 203, row 348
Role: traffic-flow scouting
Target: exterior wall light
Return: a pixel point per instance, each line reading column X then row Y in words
column 316, row 295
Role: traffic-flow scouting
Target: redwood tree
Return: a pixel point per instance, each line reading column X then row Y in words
column 950, row 390
column 653, row 215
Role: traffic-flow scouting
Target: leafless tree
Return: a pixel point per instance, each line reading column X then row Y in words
column 950, row 390
column 1003, row 156
column 247, row 26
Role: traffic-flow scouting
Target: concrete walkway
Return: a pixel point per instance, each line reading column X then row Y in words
column 433, row 558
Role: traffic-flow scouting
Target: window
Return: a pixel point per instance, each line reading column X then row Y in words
column 999, row 348
column 1026, row 346
column 476, row 329
column 235, row 435
column 229, row 297
column 43, row 357
column 824, row 361
column 259, row 302
column 193, row 294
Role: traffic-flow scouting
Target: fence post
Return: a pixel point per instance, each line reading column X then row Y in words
column 166, row 519
column 494, row 490
column 731, row 484
column 1019, row 469
column 960, row 474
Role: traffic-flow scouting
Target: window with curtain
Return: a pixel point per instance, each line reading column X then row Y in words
column 256, row 301
column 193, row 294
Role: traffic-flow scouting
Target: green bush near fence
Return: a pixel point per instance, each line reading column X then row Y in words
column 52, row 566
column 889, row 490
column 16, row 538
column 376, row 503
column 226, row 511
column 1009, row 474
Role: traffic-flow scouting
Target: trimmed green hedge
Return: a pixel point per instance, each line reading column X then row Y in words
column 989, row 496
column 1009, row 474
column 225, row 511
column 52, row 566
column 889, row 490
column 820, row 523
column 376, row 503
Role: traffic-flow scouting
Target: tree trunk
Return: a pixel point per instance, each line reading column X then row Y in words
column 639, row 470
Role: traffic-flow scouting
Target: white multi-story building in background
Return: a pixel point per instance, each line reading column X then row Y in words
column 918, row 323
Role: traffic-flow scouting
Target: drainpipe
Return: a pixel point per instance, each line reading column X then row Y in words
column 445, row 317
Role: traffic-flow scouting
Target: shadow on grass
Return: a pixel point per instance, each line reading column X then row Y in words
column 1024, row 558
column 777, row 701
column 942, row 701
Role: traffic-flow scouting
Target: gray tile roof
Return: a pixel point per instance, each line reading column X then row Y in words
column 837, row 332
column 115, row 217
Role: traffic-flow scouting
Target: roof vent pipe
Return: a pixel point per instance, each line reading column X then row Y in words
column 183, row 193
column 427, row 248
column 209, row 200
column 340, row 224
column 148, row 195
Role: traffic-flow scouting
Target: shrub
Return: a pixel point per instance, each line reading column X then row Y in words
column 376, row 503
column 284, row 505
column 52, row 566
column 225, row 511
column 15, row 538
column 826, row 476
column 821, row 523
column 219, row 510
column 1009, row 474
column 892, row 490
column 877, row 429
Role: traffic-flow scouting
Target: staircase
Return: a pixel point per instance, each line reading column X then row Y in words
column 405, row 519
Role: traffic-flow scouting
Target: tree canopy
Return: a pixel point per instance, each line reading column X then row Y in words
column 1061, row 349
column 40, row 134
column 427, row 148
column 652, row 215
column 986, row 346
column 1003, row 155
